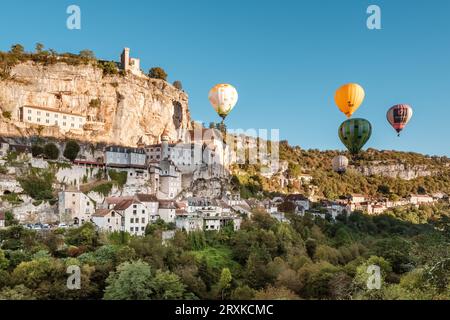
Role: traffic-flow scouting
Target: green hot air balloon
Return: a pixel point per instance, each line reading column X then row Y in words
column 354, row 133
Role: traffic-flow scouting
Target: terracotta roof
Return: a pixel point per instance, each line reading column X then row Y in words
column 166, row 204
column 146, row 197
column 116, row 200
column 101, row 212
column 123, row 205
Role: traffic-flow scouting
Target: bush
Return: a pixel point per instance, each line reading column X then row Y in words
column 157, row 73
column 38, row 184
column 95, row 103
column 36, row 150
column 109, row 67
column 51, row 151
column 7, row 114
column 71, row 150
column 177, row 84
column 119, row 177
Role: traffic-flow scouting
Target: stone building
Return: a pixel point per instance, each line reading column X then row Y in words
column 75, row 208
column 129, row 64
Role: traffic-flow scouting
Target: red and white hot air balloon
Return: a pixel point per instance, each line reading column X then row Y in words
column 398, row 116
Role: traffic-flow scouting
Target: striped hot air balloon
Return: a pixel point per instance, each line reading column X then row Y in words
column 354, row 133
column 349, row 97
column 398, row 116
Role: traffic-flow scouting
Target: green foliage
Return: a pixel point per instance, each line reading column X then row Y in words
column 95, row 103
column 136, row 281
column 157, row 73
column 103, row 189
column 38, row 184
column 108, row 67
column 37, row 150
column 51, row 151
column 7, row 115
column 71, row 150
column 119, row 177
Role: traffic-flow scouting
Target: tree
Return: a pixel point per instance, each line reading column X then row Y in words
column 71, row 150
column 4, row 263
column 177, row 84
column 38, row 184
column 37, row 150
column 17, row 50
column 87, row 54
column 225, row 281
column 51, row 151
column 136, row 281
column 131, row 281
column 157, row 73
column 39, row 47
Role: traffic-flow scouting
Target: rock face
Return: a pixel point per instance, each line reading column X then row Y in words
column 131, row 108
column 402, row 171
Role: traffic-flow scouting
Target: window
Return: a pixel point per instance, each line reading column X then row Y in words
column 56, row 115
column 47, row 114
column 29, row 118
column 72, row 125
column 134, row 211
column 131, row 229
column 38, row 113
column 29, row 111
column 132, row 220
column 47, row 121
column 64, row 117
column 143, row 220
column 38, row 119
column 143, row 211
column 64, row 124
column 143, row 228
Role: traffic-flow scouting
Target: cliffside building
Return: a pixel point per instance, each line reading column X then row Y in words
column 128, row 64
column 42, row 116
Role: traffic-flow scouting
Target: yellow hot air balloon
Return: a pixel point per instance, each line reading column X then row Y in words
column 349, row 97
column 223, row 98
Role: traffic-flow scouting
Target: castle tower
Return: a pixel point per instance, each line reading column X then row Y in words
column 165, row 144
column 125, row 58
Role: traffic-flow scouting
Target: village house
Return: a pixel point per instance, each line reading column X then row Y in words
column 302, row 203
column 108, row 220
column 75, row 208
column 166, row 211
column 152, row 205
column 188, row 221
column 418, row 199
column 135, row 215
column 2, row 219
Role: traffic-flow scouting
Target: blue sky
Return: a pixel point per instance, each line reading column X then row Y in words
column 286, row 58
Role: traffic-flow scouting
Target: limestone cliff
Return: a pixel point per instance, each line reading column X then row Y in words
column 130, row 107
column 402, row 171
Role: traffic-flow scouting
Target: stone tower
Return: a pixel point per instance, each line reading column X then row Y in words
column 165, row 144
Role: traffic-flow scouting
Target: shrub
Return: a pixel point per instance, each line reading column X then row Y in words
column 109, row 67
column 7, row 114
column 119, row 177
column 177, row 84
column 51, row 151
column 71, row 150
column 38, row 184
column 95, row 103
column 103, row 189
column 157, row 73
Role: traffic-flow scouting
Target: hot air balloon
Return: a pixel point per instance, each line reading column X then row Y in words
column 354, row 133
column 223, row 98
column 399, row 116
column 340, row 164
column 349, row 97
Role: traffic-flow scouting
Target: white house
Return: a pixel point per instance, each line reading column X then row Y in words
column 2, row 219
column 418, row 199
column 75, row 207
column 108, row 220
column 166, row 211
column 135, row 215
column 188, row 222
column 43, row 116
column 121, row 157
column 152, row 205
